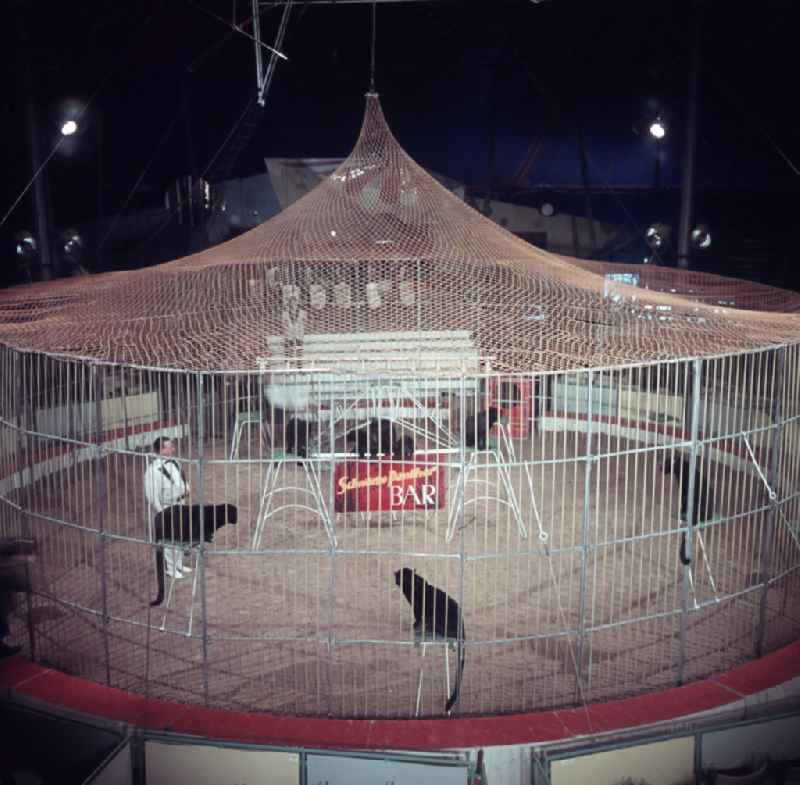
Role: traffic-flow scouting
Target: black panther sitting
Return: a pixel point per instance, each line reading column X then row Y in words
column 297, row 437
column 187, row 524
column 483, row 421
column 403, row 448
column 435, row 613
column 702, row 507
column 373, row 439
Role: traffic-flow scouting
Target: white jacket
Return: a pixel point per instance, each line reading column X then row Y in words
column 164, row 484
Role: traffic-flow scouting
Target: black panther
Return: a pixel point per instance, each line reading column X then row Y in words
column 485, row 418
column 435, row 613
column 373, row 439
column 403, row 448
column 297, row 437
column 702, row 508
column 186, row 523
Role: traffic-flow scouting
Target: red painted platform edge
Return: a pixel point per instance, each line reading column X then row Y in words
column 22, row 677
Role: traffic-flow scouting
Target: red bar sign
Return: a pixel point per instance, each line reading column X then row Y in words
column 377, row 486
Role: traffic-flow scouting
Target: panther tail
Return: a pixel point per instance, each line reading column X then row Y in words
column 159, row 576
column 459, row 673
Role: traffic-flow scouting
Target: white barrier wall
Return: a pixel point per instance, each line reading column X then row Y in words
column 27, row 475
column 329, row 770
column 668, row 762
column 196, row 764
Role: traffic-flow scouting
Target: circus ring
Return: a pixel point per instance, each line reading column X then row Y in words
column 560, row 541
column 558, row 537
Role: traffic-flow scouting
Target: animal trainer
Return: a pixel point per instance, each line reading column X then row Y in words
column 175, row 523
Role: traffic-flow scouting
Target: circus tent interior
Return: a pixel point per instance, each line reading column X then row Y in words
column 451, row 507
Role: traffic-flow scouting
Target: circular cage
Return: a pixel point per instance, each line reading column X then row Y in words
column 421, row 467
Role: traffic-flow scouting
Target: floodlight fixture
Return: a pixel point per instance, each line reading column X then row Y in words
column 26, row 245
column 69, row 128
column 72, row 244
column 655, row 236
column 701, row 236
column 658, row 128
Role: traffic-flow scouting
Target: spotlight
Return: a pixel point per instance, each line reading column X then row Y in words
column 547, row 209
column 656, row 236
column 69, row 128
column 26, row 245
column 71, row 244
column 701, row 236
column 658, row 129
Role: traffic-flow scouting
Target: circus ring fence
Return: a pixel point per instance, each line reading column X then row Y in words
column 560, row 540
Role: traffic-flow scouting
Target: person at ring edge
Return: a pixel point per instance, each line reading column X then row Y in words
column 15, row 576
column 164, row 486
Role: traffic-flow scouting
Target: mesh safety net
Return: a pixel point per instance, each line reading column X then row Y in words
column 379, row 248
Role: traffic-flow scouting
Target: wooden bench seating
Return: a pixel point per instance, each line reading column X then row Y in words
column 394, row 366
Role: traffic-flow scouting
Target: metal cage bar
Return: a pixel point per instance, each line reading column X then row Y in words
column 773, row 472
